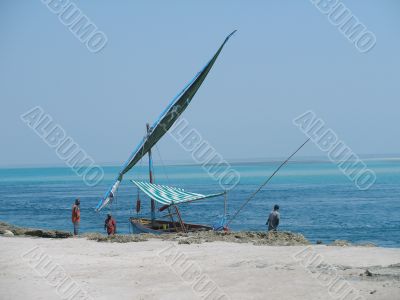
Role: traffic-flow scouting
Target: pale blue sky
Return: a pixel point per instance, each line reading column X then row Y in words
column 286, row 58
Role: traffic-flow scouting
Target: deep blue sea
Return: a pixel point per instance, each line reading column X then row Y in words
column 315, row 198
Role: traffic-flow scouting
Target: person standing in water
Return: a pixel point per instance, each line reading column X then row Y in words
column 273, row 219
column 76, row 216
column 110, row 225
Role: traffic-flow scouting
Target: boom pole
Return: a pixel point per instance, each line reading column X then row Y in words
column 269, row 178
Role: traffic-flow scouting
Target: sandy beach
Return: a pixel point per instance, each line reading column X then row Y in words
column 210, row 150
column 78, row 268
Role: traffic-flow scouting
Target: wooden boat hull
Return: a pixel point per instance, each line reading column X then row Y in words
column 143, row 225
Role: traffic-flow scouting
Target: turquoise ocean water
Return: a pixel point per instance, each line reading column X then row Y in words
column 316, row 199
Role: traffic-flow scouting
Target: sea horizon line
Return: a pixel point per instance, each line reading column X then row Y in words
column 233, row 161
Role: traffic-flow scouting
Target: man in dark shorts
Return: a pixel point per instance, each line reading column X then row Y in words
column 273, row 219
column 110, row 225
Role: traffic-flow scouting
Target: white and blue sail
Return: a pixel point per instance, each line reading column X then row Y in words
column 167, row 195
column 167, row 118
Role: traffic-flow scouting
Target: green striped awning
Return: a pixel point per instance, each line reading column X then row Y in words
column 167, row 195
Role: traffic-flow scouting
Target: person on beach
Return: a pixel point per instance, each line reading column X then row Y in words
column 76, row 216
column 273, row 219
column 110, row 225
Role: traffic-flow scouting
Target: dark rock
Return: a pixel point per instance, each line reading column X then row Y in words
column 37, row 232
column 184, row 242
column 367, row 273
column 63, row 234
column 34, row 232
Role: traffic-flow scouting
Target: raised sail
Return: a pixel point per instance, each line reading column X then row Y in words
column 163, row 123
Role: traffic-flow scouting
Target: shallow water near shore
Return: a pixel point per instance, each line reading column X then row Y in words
column 316, row 199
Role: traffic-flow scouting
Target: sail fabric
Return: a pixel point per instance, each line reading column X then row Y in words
column 167, row 195
column 167, row 118
column 171, row 113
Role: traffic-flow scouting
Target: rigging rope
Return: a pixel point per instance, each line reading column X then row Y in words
column 265, row 182
column 163, row 165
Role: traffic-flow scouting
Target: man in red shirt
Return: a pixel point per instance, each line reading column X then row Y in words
column 110, row 225
column 76, row 216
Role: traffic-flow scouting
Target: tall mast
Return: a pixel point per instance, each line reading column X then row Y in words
column 164, row 122
column 153, row 204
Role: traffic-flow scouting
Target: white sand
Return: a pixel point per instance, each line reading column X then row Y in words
column 239, row 271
